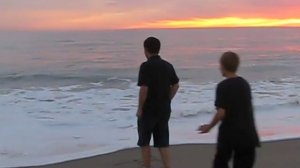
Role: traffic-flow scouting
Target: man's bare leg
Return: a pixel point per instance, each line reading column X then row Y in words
column 146, row 153
column 165, row 155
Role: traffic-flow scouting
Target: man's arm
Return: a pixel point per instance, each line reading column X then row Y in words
column 143, row 82
column 219, row 116
column 174, row 89
column 142, row 98
column 174, row 83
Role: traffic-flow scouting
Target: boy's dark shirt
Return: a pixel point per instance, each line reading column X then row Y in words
column 238, row 126
column 158, row 75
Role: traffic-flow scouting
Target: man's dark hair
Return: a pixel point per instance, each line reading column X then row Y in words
column 230, row 61
column 152, row 45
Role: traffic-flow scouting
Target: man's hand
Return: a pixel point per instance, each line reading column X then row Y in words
column 203, row 129
column 139, row 113
column 174, row 89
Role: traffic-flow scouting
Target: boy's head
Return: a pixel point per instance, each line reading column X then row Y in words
column 229, row 63
column 151, row 46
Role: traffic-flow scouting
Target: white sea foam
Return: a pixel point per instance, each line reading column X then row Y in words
column 47, row 125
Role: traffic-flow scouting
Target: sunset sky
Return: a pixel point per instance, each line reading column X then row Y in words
column 123, row 14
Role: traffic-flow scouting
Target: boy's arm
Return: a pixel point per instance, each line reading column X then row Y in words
column 142, row 98
column 219, row 116
column 220, row 104
column 174, row 89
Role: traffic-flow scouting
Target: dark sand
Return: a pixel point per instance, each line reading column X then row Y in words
column 279, row 154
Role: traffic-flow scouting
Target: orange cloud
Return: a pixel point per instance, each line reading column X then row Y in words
column 70, row 20
column 222, row 22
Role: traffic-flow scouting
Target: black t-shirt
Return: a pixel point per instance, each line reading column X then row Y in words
column 238, row 126
column 158, row 75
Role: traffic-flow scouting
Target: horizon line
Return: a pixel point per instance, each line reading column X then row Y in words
column 151, row 28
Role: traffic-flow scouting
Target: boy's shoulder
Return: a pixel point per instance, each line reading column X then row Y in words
column 244, row 81
column 144, row 65
column 230, row 81
column 223, row 82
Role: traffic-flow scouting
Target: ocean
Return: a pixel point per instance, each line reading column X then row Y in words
column 69, row 95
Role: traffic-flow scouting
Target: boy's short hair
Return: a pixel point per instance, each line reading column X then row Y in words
column 152, row 45
column 230, row 61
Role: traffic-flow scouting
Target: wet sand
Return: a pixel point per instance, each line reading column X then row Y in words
column 277, row 154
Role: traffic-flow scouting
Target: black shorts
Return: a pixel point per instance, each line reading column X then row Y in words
column 158, row 127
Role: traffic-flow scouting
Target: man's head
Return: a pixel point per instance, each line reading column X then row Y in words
column 151, row 46
column 229, row 63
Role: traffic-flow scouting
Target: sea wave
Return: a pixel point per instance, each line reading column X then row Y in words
column 36, row 122
column 43, row 77
column 27, row 81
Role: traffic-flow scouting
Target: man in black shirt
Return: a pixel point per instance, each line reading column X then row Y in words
column 158, row 85
column 237, row 132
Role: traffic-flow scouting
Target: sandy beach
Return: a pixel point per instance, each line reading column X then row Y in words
column 277, row 154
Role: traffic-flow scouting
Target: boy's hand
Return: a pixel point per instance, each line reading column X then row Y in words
column 203, row 129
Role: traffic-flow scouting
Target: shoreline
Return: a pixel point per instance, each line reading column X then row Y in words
column 268, row 156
